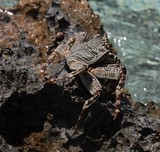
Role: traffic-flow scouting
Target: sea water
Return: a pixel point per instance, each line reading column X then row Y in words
column 8, row 3
column 133, row 27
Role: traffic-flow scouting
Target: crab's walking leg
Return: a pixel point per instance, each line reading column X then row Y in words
column 80, row 38
column 114, row 72
column 69, row 75
column 119, row 90
column 111, row 71
column 59, row 53
column 94, row 87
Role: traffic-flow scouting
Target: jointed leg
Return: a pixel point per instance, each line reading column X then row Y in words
column 67, row 76
column 119, row 91
column 58, row 54
column 115, row 72
column 94, row 87
column 111, row 71
column 79, row 39
column 86, row 105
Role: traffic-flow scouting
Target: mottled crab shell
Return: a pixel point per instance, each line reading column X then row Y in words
column 88, row 52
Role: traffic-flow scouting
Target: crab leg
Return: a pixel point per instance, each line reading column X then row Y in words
column 79, row 40
column 111, row 71
column 94, row 87
column 58, row 54
column 76, row 67
column 119, row 90
column 114, row 72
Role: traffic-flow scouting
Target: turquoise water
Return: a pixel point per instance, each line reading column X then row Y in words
column 8, row 3
column 134, row 29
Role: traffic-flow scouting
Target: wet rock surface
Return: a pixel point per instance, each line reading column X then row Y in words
column 37, row 116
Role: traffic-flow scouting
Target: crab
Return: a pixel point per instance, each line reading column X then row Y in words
column 82, row 58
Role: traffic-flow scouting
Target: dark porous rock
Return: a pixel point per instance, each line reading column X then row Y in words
column 139, row 132
column 5, row 147
column 36, row 116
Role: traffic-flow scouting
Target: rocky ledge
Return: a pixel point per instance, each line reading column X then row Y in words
column 36, row 116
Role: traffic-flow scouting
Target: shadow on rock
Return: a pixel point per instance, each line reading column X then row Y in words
column 23, row 114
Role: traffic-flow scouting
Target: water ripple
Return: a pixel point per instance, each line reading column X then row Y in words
column 134, row 28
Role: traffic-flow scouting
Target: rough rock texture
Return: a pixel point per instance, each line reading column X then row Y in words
column 39, row 117
column 27, row 17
